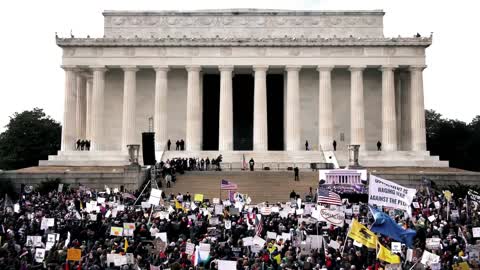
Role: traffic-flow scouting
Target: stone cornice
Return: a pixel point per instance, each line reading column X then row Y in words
column 242, row 42
column 237, row 12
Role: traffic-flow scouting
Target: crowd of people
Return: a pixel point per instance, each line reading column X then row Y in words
column 82, row 145
column 187, row 231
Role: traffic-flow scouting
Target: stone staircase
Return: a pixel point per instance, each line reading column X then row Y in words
column 259, row 185
column 393, row 159
column 86, row 158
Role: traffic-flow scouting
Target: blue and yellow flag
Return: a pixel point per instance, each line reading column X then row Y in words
column 362, row 234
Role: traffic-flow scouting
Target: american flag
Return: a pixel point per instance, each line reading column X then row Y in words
column 227, row 185
column 258, row 225
column 328, row 197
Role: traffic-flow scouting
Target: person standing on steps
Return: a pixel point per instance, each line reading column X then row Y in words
column 379, row 146
column 334, row 145
column 296, row 172
column 177, row 145
column 306, row 145
column 169, row 143
column 252, row 164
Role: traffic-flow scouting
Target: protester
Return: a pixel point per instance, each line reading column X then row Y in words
column 113, row 230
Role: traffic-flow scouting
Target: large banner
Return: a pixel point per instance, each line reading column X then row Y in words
column 382, row 192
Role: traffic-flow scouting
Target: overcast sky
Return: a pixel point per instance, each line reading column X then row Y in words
column 30, row 73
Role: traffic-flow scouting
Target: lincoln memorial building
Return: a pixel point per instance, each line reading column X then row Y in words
column 246, row 82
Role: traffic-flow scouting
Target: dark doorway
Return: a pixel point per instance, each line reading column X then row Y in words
column 243, row 112
column 275, row 111
column 211, row 109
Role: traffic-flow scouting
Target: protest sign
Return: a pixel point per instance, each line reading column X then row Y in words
column 198, row 198
column 286, row 236
column 409, row 257
column 316, row 241
column 216, row 200
column 334, row 217
column 116, row 231
column 146, row 205
column 437, row 205
column 396, row 247
column 429, row 258
column 119, row 260
column 228, row 224
column 356, row 209
column 271, row 235
column 155, row 196
column 476, row 232
column 433, row 243
column 416, row 205
column 227, row 265
column 34, row 241
column 431, row 218
column 74, row 254
column 395, row 266
column 247, row 241
column 190, row 248
column 258, row 241
column 39, row 255
column 51, row 237
column 334, row 244
column 128, row 229
column 60, row 188
column 162, row 236
column 218, row 209
column 382, row 192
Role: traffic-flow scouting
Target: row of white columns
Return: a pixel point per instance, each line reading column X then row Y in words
column 84, row 108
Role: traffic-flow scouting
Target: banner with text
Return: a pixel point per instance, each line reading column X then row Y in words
column 382, row 192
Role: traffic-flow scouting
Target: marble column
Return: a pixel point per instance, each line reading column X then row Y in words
column 406, row 111
column 293, row 109
column 69, row 111
column 325, row 108
column 81, row 107
column 88, row 128
column 193, row 136
column 225, row 132
column 129, row 106
column 98, row 102
column 389, row 124
column 418, row 140
column 357, row 110
column 398, row 108
column 161, row 107
column 260, row 124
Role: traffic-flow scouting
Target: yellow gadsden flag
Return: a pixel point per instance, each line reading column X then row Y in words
column 386, row 255
column 178, row 205
column 362, row 234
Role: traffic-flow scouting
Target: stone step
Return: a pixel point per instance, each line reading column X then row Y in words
column 90, row 162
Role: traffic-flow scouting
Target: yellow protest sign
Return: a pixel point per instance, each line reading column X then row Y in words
column 198, row 198
column 74, row 254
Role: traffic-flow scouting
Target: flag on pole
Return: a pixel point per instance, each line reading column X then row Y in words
column 258, row 225
column 362, row 234
column 386, row 255
column 227, row 185
column 328, row 197
column 126, row 245
column 385, row 225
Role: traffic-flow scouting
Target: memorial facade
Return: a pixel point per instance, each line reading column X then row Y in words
column 248, row 82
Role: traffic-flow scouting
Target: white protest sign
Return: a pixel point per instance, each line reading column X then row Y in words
column 431, row 218
column 455, row 214
column 357, row 244
column 247, row 241
column 316, row 241
column 162, row 236
column 356, row 209
column 227, row 265
column 155, row 196
column 16, row 208
column 476, row 232
column 190, row 248
column 429, row 258
column 60, row 187
column 334, row 244
column 34, row 241
column 334, row 217
column 216, row 200
column 416, row 205
column 100, row 200
column 204, row 247
column 146, row 205
column 396, row 247
column 386, row 193
column 395, row 266
column 218, row 209
column 228, row 224
column 258, row 241
column 39, row 255
column 119, row 260
column 271, row 235
column 437, row 205
column 409, row 255
column 433, row 243
column 286, row 236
